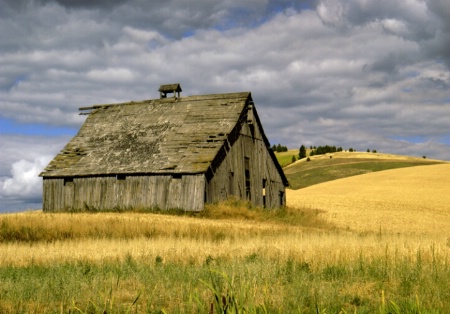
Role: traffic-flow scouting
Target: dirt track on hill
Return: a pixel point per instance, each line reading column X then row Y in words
column 411, row 200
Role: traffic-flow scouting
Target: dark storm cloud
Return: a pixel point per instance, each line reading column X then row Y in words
column 361, row 74
column 173, row 18
column 87, row 3
column 425, row 22
column 438, row 47
column 18, row 5
column 391, row 63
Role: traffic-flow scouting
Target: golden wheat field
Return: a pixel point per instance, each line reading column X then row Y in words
column 413, row 200
column 181, row 240
column 226, row 241
column 409, row 207
column 348, row 244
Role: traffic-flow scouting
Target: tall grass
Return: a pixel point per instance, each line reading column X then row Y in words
column 253, row 283
column 230, row 257
column 285, row 158
column 38, row 227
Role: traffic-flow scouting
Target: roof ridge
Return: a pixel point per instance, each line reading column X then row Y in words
column 165, row 100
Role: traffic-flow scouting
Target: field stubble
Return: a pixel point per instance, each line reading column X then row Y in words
column 170, row 263
column 414, row 200
column 348, row 245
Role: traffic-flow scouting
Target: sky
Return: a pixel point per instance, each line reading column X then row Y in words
column 365, row 74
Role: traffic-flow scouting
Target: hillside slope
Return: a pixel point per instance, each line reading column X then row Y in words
column 323, row 168
column 412, row 200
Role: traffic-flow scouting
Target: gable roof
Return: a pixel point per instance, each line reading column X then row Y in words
column 169, row 135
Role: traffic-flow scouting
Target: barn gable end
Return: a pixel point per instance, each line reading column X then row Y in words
column 175, row 152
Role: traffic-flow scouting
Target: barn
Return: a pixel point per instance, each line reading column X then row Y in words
column 168, row 153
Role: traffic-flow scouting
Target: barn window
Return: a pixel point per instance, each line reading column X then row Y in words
column 250, row 118
column 281, row 195
column 121, row 177
column 247, row 179
column 264, row 183
column 231, row 183
column 68, row 181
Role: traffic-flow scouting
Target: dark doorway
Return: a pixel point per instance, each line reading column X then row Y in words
column 248, row 194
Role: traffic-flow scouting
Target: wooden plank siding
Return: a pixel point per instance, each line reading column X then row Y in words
column 229, row 179
column 134, row 191
column 168, row 153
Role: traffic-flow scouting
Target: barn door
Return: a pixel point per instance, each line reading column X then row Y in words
column 248, row 194
column 69, row 192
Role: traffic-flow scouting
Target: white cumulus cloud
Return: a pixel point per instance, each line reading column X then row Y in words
column 23, row 158
column 24, row 181
column 23, row 184
column 350, row 73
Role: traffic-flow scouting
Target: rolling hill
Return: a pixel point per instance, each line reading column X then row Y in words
column 371, row 243
column 328, row 167
column 413, row 200
column 374, row 192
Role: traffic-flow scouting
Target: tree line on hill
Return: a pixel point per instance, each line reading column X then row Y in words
column 279, row 148
column 318, row 150
column 321, row 150
column 314, row 150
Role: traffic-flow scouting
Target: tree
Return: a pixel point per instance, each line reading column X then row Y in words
column 321, row 150
column 279, row 148
column 302, row 152
column 294, row 159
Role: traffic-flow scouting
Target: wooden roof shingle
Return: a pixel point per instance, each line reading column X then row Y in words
column 168, row 135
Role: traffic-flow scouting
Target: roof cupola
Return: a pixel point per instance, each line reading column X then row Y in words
column 170, row 88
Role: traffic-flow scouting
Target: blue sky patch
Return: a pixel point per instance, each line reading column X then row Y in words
column 11, row 127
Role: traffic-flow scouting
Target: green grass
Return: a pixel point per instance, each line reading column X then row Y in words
column 285, row 158
column 318, row 171
column 394, row 280
column 258, row 285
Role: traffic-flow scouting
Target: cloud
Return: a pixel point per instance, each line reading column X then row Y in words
column 24, row 180
column 426, row 23
column 356, row 73
column 23, row 158
column 395, row 16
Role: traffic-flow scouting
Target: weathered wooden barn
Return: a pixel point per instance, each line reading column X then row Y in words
column 167, row 153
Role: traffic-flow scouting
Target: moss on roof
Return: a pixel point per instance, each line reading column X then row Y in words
column 169, row 135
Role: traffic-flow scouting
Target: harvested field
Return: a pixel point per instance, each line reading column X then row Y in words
column 414, row 200
column 373, row 243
